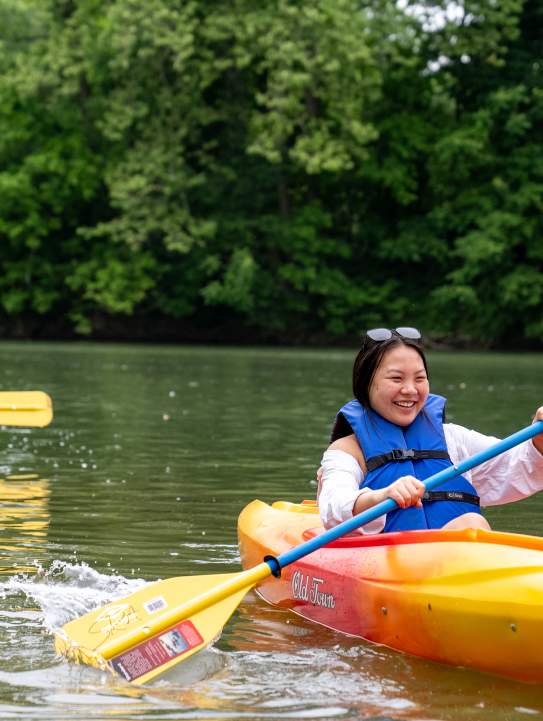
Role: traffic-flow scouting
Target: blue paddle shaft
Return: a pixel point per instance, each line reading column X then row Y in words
column 380, row 509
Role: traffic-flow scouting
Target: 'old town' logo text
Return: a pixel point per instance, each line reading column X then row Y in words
column 308, row 588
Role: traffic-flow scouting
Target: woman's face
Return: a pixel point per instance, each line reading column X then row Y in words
column 399, row 388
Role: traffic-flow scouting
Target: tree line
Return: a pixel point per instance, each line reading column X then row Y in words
column 282, row 171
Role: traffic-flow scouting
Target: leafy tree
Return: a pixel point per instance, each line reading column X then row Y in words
column 301, row 170
column 487, row 174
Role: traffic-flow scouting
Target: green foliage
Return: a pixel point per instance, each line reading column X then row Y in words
column 113, row 278
column 303, row 169
column 319, row 77
column 235, row 288
column 492, row 209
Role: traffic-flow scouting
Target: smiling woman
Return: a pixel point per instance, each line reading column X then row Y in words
column 393, row 436
column 400, row 386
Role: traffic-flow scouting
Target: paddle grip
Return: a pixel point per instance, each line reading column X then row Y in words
column 389, row 505
column 273, row 563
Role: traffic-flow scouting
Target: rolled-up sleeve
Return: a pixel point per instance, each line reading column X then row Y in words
column 339, row 489
column 510, row 476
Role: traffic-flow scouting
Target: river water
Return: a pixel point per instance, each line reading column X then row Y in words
column 152, row 454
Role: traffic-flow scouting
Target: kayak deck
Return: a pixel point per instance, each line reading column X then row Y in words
column 468, row 598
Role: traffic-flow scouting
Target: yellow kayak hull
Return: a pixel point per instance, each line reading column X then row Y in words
column 467, row 598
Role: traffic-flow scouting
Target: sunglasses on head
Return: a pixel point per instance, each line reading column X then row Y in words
column 380, row 335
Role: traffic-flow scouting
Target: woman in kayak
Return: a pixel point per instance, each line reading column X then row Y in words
column 393, row 436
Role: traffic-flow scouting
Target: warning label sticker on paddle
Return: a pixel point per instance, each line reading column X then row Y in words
column 157, row 651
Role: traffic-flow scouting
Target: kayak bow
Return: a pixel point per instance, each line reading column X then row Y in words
column 467, row 598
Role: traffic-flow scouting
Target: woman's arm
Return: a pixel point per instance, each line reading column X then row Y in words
column 511, row 476
column 340, row 496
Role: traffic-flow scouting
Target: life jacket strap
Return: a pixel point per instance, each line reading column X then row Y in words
column 403, row 454
column 451, row 496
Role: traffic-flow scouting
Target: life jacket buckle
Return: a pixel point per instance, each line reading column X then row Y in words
column 402, row 454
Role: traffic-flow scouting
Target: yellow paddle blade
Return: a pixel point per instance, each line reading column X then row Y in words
column 157, row 627
column 25, row 408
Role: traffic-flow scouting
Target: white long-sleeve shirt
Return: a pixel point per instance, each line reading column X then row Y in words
column 509, row 476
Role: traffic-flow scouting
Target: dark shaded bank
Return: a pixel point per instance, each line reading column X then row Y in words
column 221, row 329
column 205, row 328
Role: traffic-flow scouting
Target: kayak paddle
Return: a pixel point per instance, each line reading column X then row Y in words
column 162, row 624
column 25, row 408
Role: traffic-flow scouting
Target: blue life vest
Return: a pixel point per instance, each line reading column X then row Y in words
column 419, row 450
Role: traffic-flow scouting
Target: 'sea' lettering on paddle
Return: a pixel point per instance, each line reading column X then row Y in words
column 113, row 618
column 307, row 588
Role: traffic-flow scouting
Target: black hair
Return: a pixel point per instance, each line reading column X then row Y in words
column 368, row 360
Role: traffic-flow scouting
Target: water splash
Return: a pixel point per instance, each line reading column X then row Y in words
column 65, row 591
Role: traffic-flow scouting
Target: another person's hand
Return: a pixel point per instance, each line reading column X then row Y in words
column 538, row 440
column 406, row 491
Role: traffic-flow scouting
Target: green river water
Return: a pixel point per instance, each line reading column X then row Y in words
column 151, row 456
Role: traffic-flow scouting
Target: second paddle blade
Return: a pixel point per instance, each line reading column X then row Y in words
column 149, row 632
column 25, row 408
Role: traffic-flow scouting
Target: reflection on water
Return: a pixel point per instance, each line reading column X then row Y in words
column 24, row 519
column 274, row 662
column 152, row 454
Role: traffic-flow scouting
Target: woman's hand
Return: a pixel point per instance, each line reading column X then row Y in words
column 406, row 491
column 538, row 440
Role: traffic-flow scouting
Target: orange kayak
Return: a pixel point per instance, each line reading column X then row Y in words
column 467, row 598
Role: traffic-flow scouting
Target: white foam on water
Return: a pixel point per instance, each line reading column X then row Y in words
column 65, row 591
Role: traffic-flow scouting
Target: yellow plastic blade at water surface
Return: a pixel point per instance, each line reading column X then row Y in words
column 147, row 633
column 25, row 408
